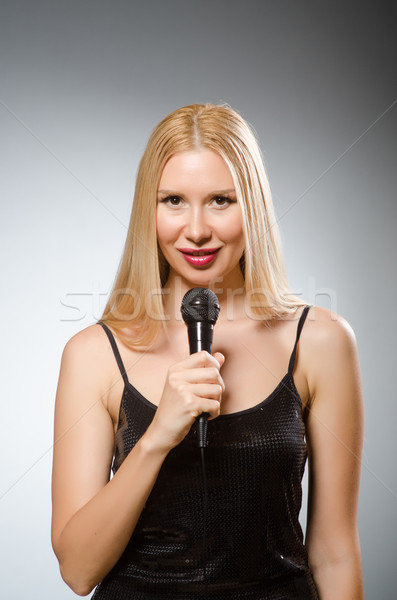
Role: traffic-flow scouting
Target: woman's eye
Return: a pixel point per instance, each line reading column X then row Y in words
column 221, row 201
column 216, row 201
column 172, row 200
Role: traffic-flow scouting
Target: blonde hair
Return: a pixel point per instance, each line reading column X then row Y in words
column 143, row 269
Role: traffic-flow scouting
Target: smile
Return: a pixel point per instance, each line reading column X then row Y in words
column 199, row 258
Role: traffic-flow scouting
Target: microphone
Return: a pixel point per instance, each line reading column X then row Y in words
column 200, row 310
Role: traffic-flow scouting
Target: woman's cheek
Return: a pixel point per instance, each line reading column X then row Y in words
column 166, row 228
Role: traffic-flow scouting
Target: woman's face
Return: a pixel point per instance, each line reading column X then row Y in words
column 199, row 223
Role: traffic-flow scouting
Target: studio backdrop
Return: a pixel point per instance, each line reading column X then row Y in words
column 82, row 84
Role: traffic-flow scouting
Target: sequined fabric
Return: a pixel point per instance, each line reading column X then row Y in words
column 255, row 461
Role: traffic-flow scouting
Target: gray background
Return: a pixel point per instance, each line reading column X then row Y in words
column 82, row 85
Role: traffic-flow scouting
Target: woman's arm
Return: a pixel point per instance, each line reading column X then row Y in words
column 93, row 518
column 335, row 436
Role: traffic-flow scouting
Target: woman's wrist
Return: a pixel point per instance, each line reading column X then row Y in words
column 151, row 445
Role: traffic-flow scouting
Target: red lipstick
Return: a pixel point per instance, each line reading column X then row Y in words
column 200, row 257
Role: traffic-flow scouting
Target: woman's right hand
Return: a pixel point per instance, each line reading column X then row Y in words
column 193, row 386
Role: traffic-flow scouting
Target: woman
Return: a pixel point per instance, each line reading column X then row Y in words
column 283, row 380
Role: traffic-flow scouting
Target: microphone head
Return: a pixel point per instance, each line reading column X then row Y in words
column 200, row 305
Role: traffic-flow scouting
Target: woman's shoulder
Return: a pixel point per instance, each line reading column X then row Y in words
column 328, row 344
column 325, row 328
column 88, row 351
column 88, row 359
column 91, row 339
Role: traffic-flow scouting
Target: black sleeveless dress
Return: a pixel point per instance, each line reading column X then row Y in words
column 255, row 460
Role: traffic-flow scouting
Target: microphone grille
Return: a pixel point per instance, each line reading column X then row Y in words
column 200, row 305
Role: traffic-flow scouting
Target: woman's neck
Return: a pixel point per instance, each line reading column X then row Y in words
column 230, row 293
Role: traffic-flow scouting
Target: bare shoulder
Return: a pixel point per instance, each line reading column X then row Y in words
column 328, row 349
column 89, row 339
column 89, row 345
column 88, row 353
column 328, row 332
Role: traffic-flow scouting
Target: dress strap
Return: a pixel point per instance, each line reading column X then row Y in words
column 298, row 332
column 115, row 351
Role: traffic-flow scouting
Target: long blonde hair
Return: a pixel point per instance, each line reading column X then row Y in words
column 135, row 307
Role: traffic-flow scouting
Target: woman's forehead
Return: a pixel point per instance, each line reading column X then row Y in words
column 196, row 167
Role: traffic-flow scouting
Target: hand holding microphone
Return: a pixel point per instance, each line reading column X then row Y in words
column 194, row 385
column 200, row 311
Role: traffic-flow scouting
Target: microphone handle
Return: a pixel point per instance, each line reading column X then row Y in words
column 200, row 338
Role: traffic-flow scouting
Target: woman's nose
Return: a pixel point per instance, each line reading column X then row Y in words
column 197, row 228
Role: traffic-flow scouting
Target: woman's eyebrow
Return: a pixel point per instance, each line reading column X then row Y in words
column 213, row 193
column 174, row 192
column 221, row 192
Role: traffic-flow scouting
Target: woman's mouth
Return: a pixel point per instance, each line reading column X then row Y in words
column 199, row 258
